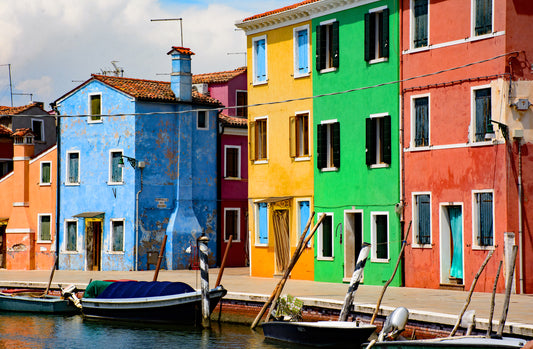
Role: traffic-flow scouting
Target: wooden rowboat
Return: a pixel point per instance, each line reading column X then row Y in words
column 36, row 303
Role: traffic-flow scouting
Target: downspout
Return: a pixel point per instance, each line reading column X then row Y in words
column 137, row 222
column 520, row 222
column 58, row 181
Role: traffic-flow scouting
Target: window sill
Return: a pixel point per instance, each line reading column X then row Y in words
column 232, row 178
column 420, row 148
column 95, row 121
column 418, row 49
column 483, row 248
column 70, row 252
column 72, row 184
column 299, row 76
column 375, row 260
column 328, row 70
column 43, row 241
column 260, row 162
column 45, row 184
column 329, row 169
column 232, row 241
column 325, row 259
column 303, row 158
column 260, row 245
column 380, row 166
column 259, row 83
column 424, row 246
column 115, row 252
column 378, row 60
column 115, row 183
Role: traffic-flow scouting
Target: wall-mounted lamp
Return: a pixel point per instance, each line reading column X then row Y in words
column 490, row 134
column 133, row 162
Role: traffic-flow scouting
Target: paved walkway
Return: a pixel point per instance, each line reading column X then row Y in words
column 441, row 306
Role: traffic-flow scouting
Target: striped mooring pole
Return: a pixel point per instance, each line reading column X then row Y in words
column 354, row 282
column 204, row 273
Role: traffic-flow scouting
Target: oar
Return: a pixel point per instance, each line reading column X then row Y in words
column 51, row 276
column 223, row 265
column 354, row 282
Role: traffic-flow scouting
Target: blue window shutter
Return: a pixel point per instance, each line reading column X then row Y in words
column 485, row 219
column 73, row 174
column 304, row 215
column 116, row 171
column 72, row 236
column 263, row 223
column 421, row 23
column 483, row 24
column 421, row 122
column 118, row 236
column 424, row 222
column 303, row 52
column 260, row 64
column 483, row 112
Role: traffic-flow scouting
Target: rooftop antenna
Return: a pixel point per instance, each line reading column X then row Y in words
column 172, row 19
column 10, row 83
column 238, row 53
column 24, row 94
column 118, row 71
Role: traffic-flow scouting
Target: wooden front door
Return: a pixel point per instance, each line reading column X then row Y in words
column 93, row 242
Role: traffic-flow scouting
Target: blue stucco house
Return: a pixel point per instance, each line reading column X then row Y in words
column 137, row 162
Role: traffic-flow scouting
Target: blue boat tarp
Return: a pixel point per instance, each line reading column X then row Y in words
column 140, row 289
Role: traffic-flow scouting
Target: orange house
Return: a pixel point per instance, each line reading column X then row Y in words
column 27, row 211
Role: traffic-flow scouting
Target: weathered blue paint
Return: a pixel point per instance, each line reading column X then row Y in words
column 177, row 193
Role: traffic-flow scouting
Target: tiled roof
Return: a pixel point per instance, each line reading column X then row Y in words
column 279, row 10
column 182, row 50
column 217, row 78
column 17, row 110
column 150, row 89
column 232, row 120
column 4, row 131
column 21, row 132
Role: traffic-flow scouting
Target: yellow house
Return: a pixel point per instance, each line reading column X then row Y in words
column 280, row 166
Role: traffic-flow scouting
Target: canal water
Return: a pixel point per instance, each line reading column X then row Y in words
column 52, row 331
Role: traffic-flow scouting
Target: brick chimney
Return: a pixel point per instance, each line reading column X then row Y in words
column 181, row 77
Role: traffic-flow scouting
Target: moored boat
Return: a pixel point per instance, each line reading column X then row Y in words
column 154, row 301
column 35, row 302
column 477, row 342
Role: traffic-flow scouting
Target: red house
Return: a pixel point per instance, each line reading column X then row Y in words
column 467, row 156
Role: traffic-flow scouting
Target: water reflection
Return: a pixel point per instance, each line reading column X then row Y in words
column 48, row 331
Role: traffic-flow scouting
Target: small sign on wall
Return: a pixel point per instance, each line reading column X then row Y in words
column 161, row 202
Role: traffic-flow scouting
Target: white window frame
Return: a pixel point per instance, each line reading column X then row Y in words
column 42, row 129
column 414, row 213
column 373, row 236
column 413, row 121
column 238, row 225
column 329, row 159
column 110, row 168
column 262, row 161
column 111, row 236
column 206, row 113
column 475, row 215
column 39, row 217
column 473, row 90
column 376, row 37
column 90, row 117
column 298, row 218
column 65, row 231
column 41, row 183
column 254, row 60
column 67, row 168
column 256, row 223
column 379, row 143
column 473, row 6
column 295, row 32
column 412, row 28
column 309, row 126
column 319, row 241
column 328, row 23
column 239, row 173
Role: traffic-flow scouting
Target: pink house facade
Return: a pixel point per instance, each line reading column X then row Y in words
column 467, row 168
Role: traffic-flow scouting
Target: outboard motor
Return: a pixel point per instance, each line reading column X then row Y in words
column 69, row 292
column 468, row 321
column 394, row 324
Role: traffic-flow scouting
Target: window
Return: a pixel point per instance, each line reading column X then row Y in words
column 299, row 135
column 482, row 112
column 242, row 100
column 46, row 171
column 482, row 17
column 422, row 218
column 328, row 145
column 301, row 51
column 44, row 233
column 71, row 235
column 37, row 127
column 303, row 217
column 483, row 219
column 325, row 238
column 377, row 35
column 95, row 107
column 117, row 235
column 261, row 224
column 73, row 168
column 419, row 23
column 378, row 140
column 258, row 139
column 232, row 165
column 231, row 223
column 380, row 236
column 259, row 60
column 420, row 110
column 115, row 171
column 327, row 45
column 202, row 122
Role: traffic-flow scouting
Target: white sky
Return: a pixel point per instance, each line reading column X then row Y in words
column 53, row 45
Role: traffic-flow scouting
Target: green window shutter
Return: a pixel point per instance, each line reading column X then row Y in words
column 387, row 139
column 335, row 44
column 322, row 146
column 368, row 40
column 370, row 142
column 384, row 40
column 45, row 229
column 320, row 47
column 72, row 232
column 336, row 144
column 45, row 173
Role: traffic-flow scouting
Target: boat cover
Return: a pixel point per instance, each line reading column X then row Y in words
column 139, row 289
